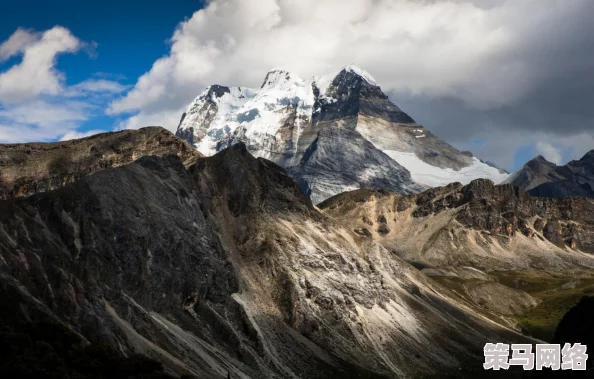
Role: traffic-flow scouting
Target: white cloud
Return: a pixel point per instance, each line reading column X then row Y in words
column 166, row 117
column 549, row 152
column 35, row 102
column 75, row 135
column 40, row 120
column 16, row 44
column 467, row 49
column 35, row 74
column 577, row 145
column 44, row 114
column 101, row 86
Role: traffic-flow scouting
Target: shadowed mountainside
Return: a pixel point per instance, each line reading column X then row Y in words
column 226, row 267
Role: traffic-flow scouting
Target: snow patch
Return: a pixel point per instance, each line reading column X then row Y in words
column 362, row 73
column 429, row 175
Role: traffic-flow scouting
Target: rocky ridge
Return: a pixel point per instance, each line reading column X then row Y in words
column 30, row 168
column 542, row 178
column 483, row 225
column 225, row 266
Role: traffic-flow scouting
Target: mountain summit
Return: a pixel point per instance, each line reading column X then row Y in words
column 542, row 178
column 332, row 133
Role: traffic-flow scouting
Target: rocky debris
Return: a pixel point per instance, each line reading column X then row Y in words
column 225, row 268
column 499, row 298
column 30, row 168
column 363, row 232
column 545, row 179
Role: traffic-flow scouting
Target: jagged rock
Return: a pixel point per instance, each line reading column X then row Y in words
column 31, row 168
column 478, row 224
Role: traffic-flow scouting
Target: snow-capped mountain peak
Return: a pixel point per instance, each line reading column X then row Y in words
column 279, row 77
column 362, row 73
column 333, row 133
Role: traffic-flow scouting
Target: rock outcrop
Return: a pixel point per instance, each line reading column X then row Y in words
column 30, row 168
column 481, row 224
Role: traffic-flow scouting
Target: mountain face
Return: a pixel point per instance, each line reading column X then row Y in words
column 542, row 178
column 534, row 173
column 30, row 168
column 332, row 133
column 224, row 267
column 486, row 226
column 520, row 260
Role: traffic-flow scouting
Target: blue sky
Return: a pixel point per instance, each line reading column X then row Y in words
column 129, row 36
column 480, row 74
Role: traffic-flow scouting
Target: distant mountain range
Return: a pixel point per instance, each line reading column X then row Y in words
column 332, row 133
column 542, row 178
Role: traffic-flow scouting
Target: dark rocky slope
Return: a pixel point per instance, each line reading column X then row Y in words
column 30, row 168
column 226, row 267
column 41, row 350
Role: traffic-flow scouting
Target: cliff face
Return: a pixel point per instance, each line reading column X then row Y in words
column 485, row 225
column 30, row 168
column 226, row 267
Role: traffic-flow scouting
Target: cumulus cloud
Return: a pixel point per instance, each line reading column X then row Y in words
column 515, row 63
column 36, row 73
column 35, row 102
